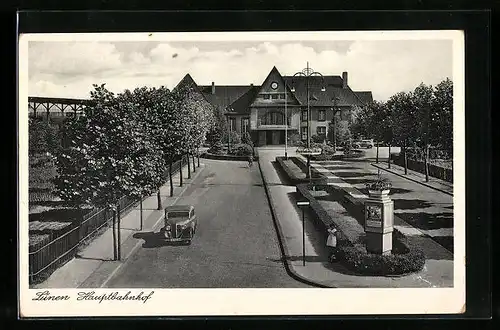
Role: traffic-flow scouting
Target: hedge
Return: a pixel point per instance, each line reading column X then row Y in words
column 294, row 172
column 208, row 155
column 404, row 259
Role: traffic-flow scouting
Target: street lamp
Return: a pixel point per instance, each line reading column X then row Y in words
column 307, row 73
column 286, row 125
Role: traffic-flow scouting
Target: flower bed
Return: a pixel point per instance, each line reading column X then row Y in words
column 351, row 250
column 404, row 259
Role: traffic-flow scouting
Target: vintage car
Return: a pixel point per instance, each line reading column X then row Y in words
column 359, row 144
column 180, row 224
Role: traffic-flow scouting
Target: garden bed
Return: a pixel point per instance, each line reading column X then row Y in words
column 351, row 251
column 295, row 173
column 208, row 155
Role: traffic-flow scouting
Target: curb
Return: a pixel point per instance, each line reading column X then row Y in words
column 279, row 231
column 416, row 181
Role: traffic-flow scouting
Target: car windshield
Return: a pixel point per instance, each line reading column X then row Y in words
column 177, row 214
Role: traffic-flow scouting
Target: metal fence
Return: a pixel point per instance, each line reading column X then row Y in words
column 45, row 259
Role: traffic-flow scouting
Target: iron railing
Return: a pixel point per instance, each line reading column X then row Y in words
column 44, row 259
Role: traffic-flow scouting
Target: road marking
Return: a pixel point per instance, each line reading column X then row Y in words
column 139, row 243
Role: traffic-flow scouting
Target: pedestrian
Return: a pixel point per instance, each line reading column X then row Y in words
column 250, row 160
column 331, row 242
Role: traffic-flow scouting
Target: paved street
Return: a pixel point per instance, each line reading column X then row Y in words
column 235, row 246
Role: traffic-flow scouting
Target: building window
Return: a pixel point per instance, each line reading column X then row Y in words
column 303, row 133
column 282, row 96
column 232, row 124
column 275, row 96
column 244, row 125
column 321, row 115
column 266, row 96
column 321, row 130
column 304, row 115
column 273, row 118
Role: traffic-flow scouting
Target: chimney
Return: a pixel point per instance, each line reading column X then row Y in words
column 213, row 87
column 344, row 79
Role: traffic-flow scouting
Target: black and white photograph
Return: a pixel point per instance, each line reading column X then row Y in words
column 241, row 173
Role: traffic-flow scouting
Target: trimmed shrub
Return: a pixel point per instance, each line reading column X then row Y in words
column 404, row 258
column 217, row 148
column 242, row 150
column 294, row 139
column 318, row 138
column 235, row 138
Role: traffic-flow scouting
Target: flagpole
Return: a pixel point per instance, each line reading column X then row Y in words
column 286, row 126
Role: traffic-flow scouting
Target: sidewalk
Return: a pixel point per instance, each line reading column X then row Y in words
column 437, row 272
column 434, row 183
column 94, row 264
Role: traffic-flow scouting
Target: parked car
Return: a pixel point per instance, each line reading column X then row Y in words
column 368, row 144
column 180, row 224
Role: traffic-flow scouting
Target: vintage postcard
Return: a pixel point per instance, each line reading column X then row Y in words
column 241, row 173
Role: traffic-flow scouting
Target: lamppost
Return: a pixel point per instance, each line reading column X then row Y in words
column 286, row 125
column 334, row 110
column 308, row 72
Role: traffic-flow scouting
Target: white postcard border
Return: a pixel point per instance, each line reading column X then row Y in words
column 226, row 302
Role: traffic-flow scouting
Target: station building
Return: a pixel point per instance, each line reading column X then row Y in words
column 281, row 102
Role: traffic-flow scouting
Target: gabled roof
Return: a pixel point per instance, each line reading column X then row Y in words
column 242, row 104
column 333, row 86
column 224, row 95
column 188, row 82
column 365, row 97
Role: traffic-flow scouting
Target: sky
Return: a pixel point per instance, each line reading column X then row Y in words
column 385, row 67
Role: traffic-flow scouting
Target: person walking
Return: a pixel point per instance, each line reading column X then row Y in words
column 250, row 160
column 331, row 242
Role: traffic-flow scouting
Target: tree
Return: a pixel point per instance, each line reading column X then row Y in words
column 442, row 116
column 246, row 139
column 404, row 130
column 104, row 159
column 143, row 102
column 343, row 133
column 423, row 101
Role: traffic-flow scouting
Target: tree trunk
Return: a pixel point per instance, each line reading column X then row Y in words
column 115, row 252
column 170, row 179
column 180, row 171
column 389, row 158
column 119, row 244
column 426, row 163
column 405, row 160
column 189, row 167
column 377, row 152
column 194, row 163
column 198, row 154
column 141, row 214
column 158, row 198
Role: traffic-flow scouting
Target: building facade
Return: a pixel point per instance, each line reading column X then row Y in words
column 281, row 103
